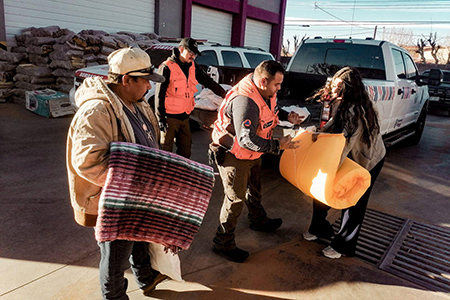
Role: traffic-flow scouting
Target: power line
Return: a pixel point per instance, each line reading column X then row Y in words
column 316, row 22
column 316, row 6
column 379, row 4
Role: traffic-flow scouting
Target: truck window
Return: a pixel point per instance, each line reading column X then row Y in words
column 231, row 59
column 208, row 58
column 411, row 71
column 255, row 58
column 399, row 64
column 327, row 58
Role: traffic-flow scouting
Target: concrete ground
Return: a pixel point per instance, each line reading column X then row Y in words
column 44, row 254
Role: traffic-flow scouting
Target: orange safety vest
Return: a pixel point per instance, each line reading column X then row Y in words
column 180, row 91
column 268, row 118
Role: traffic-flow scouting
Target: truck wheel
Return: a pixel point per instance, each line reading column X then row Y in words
column 419, row 127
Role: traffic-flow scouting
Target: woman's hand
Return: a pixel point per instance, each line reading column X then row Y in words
column 295, row 118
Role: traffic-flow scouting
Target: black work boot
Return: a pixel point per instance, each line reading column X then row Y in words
column 236, row 254
column 269, row 226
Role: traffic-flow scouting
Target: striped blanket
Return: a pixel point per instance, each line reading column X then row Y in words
column 153, row 195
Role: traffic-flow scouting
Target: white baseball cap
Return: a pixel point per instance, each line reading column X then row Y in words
column 133, row 62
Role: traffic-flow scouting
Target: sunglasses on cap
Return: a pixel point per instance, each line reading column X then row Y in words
column 147, row 70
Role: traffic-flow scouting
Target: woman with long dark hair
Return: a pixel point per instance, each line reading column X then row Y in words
column 352, row 113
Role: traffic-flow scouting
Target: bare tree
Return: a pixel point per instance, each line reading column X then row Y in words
column 421, row 43
column 434, row 47
column 298, row 42
column 285, row 48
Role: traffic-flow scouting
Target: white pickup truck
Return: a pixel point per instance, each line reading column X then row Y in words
column 389, row 74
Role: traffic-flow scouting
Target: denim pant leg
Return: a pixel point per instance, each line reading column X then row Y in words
column 256, row 213
column 116, row 257
column 141, row 265
column 113, row 263
column 345, row 240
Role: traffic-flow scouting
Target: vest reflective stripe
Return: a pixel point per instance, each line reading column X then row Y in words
column 180, row 91
column 268, row 118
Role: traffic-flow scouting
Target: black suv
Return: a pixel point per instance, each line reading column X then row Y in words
column 439, row 90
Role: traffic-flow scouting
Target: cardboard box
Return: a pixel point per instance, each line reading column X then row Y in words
column 49, row 103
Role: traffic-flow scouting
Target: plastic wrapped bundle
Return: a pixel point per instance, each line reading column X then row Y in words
column 314, row 169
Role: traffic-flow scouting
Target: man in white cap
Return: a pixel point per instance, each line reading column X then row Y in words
column 174, row 98
column 110, row 111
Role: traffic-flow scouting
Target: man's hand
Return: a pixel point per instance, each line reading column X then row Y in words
column 295, row 118
column 286, row 142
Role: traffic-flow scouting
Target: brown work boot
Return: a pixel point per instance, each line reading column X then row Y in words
column 147, row 290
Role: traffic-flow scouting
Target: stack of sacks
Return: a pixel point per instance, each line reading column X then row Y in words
column 91, row 41
column 64, row 52
column 38, row 43
column 30, row 77
column 142, row 40
column 314, row 169
column 36, row 74
column 66, row 58
column 8, row 64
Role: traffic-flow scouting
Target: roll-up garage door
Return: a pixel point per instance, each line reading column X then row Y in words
column 212, row 25
column 109, row 15
column 257, row 34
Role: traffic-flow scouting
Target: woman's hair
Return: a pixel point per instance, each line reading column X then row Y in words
column 355, row 107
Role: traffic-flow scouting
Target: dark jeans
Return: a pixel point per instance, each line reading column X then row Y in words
column 351, row 219
column 116, row 258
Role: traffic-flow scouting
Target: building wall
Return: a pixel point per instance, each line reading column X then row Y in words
column 257, row 34
column 169, row 18
column 211, row 24
column 2, row 26
column 273, row 5
column 272, row 12
column 111, row 16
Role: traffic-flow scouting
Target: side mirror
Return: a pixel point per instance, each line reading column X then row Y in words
column 435, row 77
column 422, row 80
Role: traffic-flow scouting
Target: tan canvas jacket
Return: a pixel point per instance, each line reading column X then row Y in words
column 99, row 121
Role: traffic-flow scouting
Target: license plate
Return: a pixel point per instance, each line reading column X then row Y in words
column 434, row 98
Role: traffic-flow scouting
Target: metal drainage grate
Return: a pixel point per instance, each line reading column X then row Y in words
column 414, row 251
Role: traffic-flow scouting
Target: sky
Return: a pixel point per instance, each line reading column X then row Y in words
column 405, row 21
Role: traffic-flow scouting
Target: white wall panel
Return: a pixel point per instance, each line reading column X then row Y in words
column 258, row 34
column 210, row 24
column 110, row 16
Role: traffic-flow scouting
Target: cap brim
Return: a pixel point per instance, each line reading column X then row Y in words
column 156, row 78
column 153, row 77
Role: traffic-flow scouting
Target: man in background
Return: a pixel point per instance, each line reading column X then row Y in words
column 174, row 98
